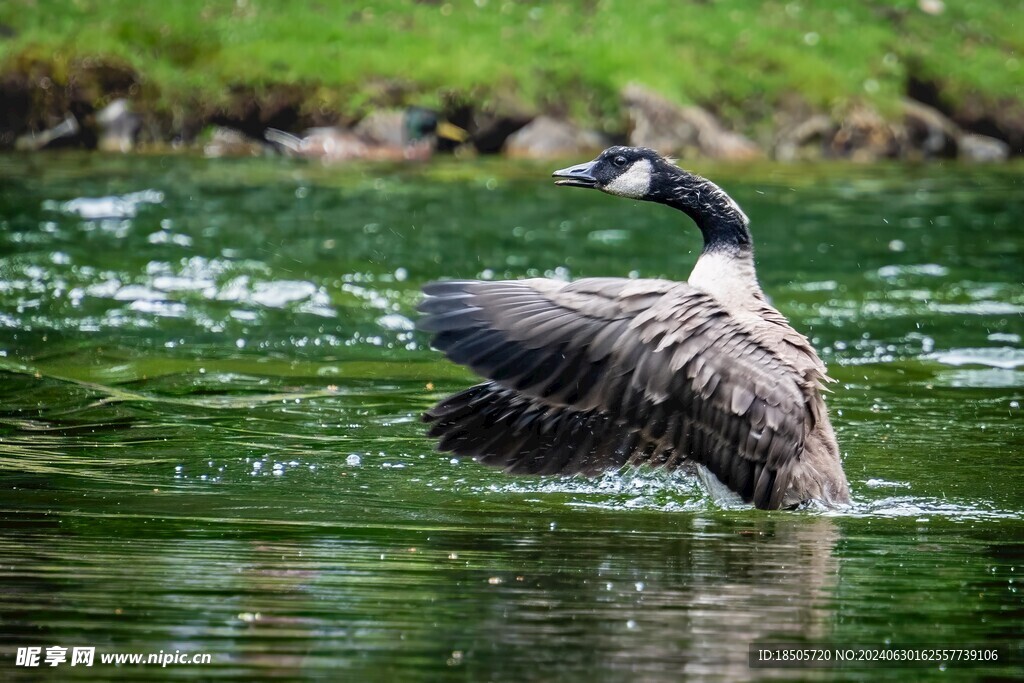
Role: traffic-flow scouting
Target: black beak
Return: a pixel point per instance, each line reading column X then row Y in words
column 576, row 176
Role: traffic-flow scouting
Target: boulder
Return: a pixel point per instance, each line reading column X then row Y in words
column 118, row 127
column 64, row 134
column 807, row 139
column 1002, row 120
column 670, row 128
column 549, row 138
column 930, row 133
column 865, row 136
column 228, row 142
column 982, row 148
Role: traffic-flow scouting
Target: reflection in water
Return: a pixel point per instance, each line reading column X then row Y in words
column 656, row 603
column 710, row 595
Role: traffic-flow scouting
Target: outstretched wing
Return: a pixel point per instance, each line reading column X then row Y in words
column 654, row 358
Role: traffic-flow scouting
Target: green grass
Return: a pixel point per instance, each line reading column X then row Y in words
column 741, row 57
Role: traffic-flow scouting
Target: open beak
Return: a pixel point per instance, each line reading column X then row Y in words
column 576, row 176
column 449, row 131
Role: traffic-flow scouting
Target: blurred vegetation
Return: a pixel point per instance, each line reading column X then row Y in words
column 740, row 57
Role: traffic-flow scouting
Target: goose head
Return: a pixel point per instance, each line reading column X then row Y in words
column 641, row 173
column 634, row 172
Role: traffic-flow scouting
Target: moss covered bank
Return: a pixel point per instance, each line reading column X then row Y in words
column 491, row 65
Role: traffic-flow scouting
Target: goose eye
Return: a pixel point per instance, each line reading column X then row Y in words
column 619, row 161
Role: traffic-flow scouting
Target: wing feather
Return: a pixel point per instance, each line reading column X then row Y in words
column 603, row 371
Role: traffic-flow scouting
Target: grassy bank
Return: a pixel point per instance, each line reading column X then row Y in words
column 739, row 57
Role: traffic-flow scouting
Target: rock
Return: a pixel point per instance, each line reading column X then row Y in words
column 929, row 132
column 674, row 129
column 549, row 138
column 118, row 127
column 864, row 136
column 717, row 142
column 806, row 139
column 1002, row 119
column 935, row 135
column 65, row 133
column 657, row 123
column 228, row 142
column 45, row 92
column 982, row 148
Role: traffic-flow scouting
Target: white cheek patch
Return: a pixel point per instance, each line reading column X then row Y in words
column 635, row 182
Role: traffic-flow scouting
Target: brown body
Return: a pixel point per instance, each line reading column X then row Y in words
column 599, row 373
column 396, row 135
column 333, row 145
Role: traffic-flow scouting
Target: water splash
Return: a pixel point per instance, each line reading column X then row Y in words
column 112, row 207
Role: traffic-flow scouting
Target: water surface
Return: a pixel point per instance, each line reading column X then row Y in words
column 209, row 435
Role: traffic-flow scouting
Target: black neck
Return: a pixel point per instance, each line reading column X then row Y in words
column 719, row 218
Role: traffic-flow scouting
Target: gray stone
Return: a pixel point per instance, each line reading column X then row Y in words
column 929, row 132
column 686, row 131
column 549, row 138
column 66, row 131
column 228, row 142
column 865, row 136
column 806, row 139
column 118, row 127
column 982, row 148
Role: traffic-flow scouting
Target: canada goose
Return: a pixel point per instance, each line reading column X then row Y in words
column 407, row 134
column 595, row 374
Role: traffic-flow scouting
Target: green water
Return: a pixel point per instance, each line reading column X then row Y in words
column 209, row 435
